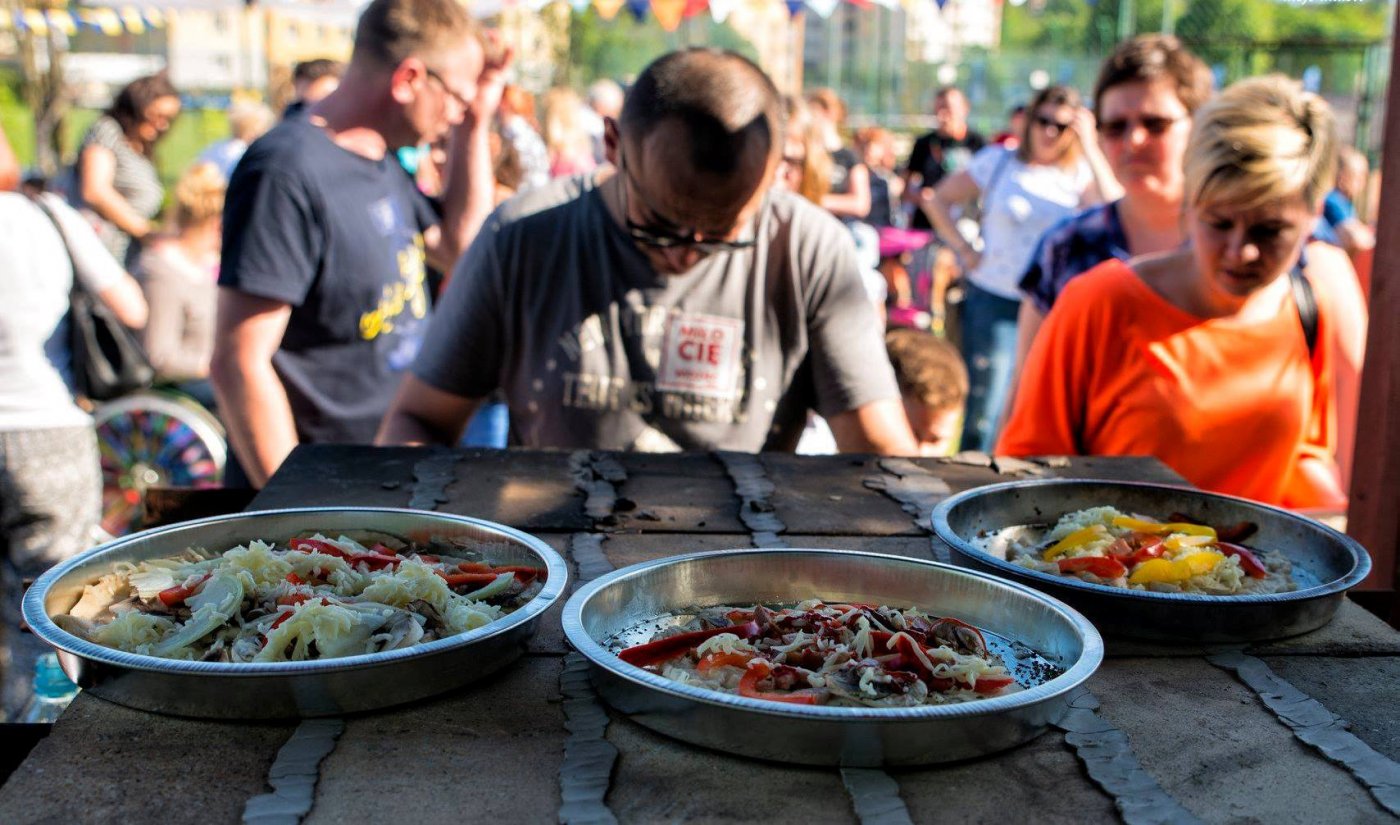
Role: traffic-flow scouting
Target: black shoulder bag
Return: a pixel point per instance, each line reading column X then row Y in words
column 108, row 361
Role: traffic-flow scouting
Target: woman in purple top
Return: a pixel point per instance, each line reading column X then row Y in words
column 1146, row 93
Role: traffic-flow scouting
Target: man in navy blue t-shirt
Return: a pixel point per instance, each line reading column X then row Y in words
column 327, row 239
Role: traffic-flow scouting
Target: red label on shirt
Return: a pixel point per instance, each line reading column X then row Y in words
column 700, row 355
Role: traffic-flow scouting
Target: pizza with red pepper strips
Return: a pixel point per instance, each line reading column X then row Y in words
column 852, row 655
column 1179, row 554
column 315, row 598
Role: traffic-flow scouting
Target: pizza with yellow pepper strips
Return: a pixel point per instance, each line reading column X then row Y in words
column 1104, row 545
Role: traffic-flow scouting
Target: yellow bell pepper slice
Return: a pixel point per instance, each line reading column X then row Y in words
column 1174, row 572
column 1201, row 562
column 1130, row 523
column 1183, row 542
column 1077, row 539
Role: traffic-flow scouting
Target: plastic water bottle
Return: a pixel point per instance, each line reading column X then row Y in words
column 53, row 690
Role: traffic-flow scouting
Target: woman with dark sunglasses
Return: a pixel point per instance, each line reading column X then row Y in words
column 1054, row 172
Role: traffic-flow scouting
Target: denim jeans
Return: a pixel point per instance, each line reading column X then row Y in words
column 989, row 348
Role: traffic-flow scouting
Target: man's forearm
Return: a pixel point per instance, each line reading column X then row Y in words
column 254, row 406
column 469, row 194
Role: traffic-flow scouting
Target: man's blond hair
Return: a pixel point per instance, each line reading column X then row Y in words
column 391, row 31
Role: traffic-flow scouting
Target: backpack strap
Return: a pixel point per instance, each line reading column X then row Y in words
column 1306, row 302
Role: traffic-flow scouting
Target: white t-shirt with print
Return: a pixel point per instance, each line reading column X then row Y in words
column 1024, row 202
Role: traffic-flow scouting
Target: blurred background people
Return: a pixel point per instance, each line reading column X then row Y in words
column 179, row 275
column 1175, row 355
column 519, row 126
column 875, row 148
column 313, row 80
column 116, row 183
column 933, row 384
column 1145, row 96
column 566, row 136
column 1056, row 171
column 50, row 481
column 248, row 120
column 947, row 149
column 1010, row 137
column 604, row 101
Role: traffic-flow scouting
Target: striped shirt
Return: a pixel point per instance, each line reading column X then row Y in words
column 135, row 179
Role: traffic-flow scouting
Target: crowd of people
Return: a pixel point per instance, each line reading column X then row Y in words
column 414, row 252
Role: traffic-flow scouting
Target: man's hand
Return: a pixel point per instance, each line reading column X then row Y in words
column 497, row 60
column 878, row 427
column 424, row 414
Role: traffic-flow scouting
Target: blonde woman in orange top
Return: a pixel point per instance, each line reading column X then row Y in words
column 1199, row 356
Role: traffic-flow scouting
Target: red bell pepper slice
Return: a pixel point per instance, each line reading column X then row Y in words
column 1151, row 547
column 172, row 596
column 459, row 579
column 295, row 579
column 1250, row 563
column 318, row 546
column 663, row 650
column 757, row 672
column 719, row 660
column 1105, row 567
column 992, row 684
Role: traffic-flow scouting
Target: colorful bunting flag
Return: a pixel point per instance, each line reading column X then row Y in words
column 34, row 20
column 720, row 9
column 153, row 17
column 608, row 9
column 668, row 13
column 638, row 9
column 63, row 21
column 823, row 8
column 132, row 18
column 694, row 7
column 794, row 7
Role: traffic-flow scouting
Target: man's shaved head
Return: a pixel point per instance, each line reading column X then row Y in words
column 724, row 103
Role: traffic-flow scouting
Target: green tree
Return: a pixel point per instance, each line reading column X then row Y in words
column 621, row 47
column 1222, row 31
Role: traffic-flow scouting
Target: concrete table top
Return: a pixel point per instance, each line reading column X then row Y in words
column 1179, row 734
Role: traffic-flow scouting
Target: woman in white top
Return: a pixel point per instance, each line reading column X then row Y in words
column 50, row 481
column 1056, row 170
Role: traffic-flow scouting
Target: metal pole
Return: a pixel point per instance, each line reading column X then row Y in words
column 1168, row 16
column 1127, row 19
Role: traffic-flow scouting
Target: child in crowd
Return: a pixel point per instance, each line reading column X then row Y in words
column 933, row 383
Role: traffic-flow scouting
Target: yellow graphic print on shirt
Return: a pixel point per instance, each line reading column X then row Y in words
column 409, row 293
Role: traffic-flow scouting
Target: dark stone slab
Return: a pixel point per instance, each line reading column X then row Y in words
column 107, row 763
column 1350, row 688
column 826, row 495
column 1212, row 745
column 624, row 550
column 1352, row 632
column 1040, row 781
column 488, row 753
column 659, row 779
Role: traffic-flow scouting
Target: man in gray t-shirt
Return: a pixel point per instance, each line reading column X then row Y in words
column 675, row 304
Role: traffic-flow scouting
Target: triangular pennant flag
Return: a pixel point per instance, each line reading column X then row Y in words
column 941, row 4
column 153, row 16
column 794, row 7
column 607, row 9
column 63, row 21
column 694, row 7
column 888, row 4
column 108, row 21
column 638, row 9
column 823, row 8
column 6, row 23
column 34, row 21
column 668, row 13
column 720, row 9
column 132, row 18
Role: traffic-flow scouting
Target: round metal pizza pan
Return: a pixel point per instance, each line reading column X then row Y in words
column 292, row 689
column 1326, row 563
column 1050, row 648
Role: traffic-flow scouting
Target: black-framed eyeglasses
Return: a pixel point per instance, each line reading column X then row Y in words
column 1051, row 125
column 451, row 92
column 1153, row 125
column 667, row 238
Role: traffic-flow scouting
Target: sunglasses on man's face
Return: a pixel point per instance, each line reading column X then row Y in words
column 1154, row 126
column 1051, row 125
column 669, row 237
